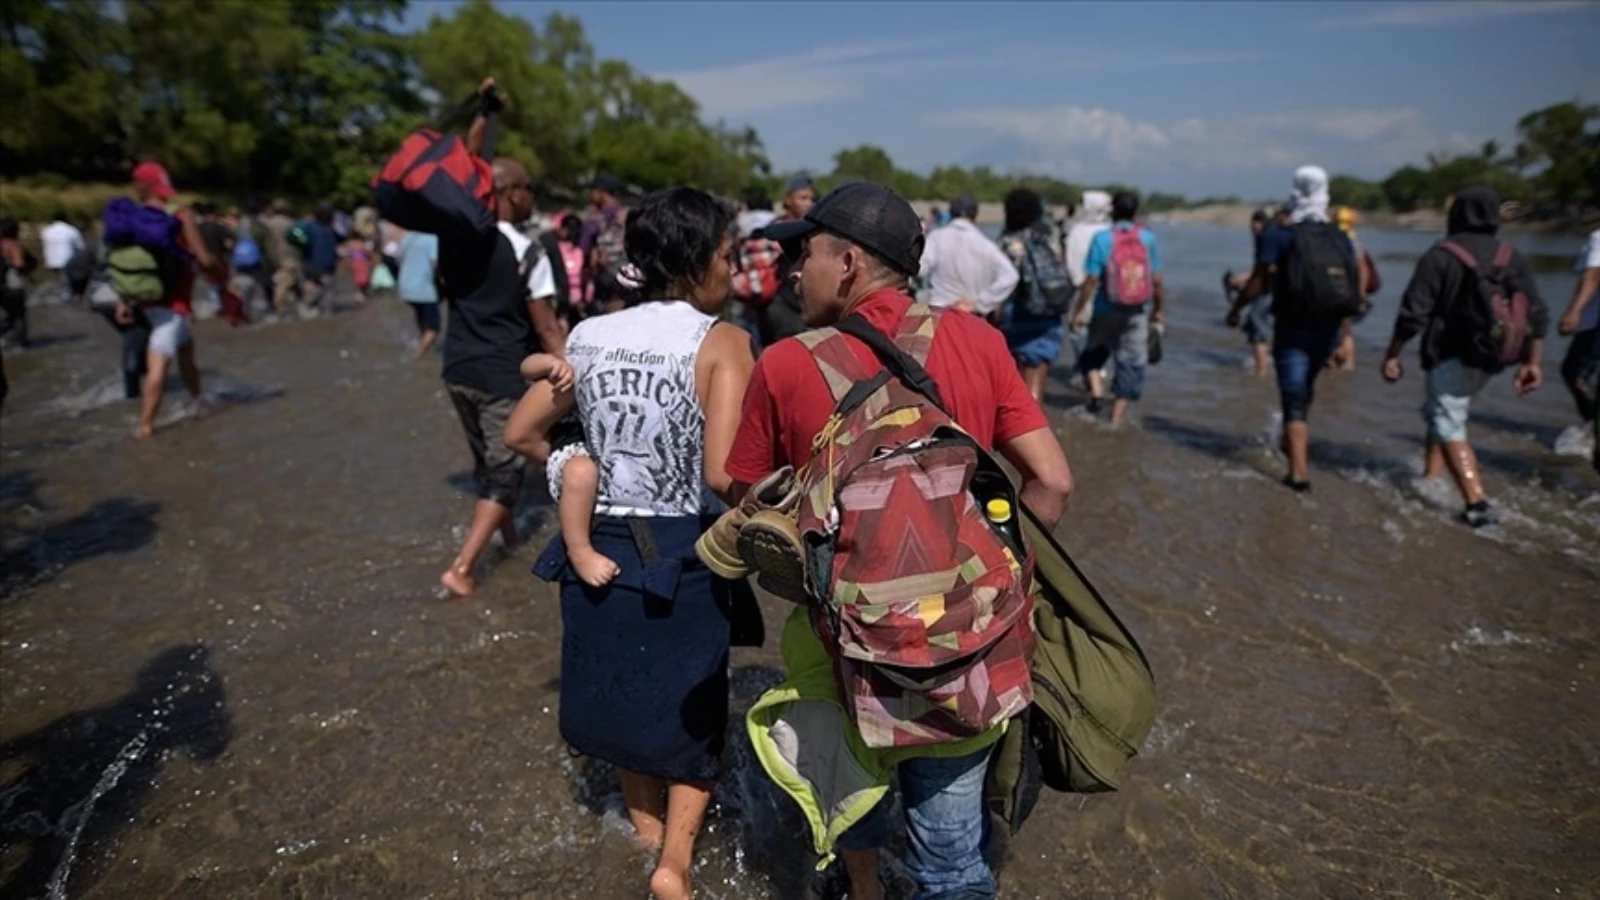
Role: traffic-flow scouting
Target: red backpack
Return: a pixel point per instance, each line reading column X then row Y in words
column 1496, row 309
column 1128, row 279
column 435, row 186
column 922, row 602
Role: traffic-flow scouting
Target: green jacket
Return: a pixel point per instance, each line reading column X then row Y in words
column 805, row 740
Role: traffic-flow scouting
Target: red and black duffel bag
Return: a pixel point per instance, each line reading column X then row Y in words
column 435, row 185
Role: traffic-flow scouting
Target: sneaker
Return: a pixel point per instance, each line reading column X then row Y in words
column 718, row 548
column 771, row 548
column 1478, row 515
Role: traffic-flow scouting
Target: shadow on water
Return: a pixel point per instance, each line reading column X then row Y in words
column 113, row 525
column 85, row 773
column 1245, row 450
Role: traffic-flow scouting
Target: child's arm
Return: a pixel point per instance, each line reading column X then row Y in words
column 547, row 367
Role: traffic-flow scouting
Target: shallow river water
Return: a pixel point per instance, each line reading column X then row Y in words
column 227, row 672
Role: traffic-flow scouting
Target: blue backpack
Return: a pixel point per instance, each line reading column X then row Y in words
column 246, row 252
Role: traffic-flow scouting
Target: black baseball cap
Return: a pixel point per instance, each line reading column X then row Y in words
column 866, row 214
column 607, row 182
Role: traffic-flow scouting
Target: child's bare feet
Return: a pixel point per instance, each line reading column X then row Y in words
column 458, row 580
column 594, row 568
column 142, row 431
column 669, row 884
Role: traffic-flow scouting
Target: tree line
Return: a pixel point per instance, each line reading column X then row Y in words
column 305, row 98
column 1554, row 168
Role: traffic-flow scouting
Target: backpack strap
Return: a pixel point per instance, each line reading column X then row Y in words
column 1502, row 255
column 839, row 365
column 1461, row 253
column 904, row 355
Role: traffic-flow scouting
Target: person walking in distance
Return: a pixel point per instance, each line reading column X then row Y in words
column 644, row 660
column 855, row 250
column 1473, row 301
column 1033, row 319
column 419, row 285
column 63, row 244
column 1122, row 279
column 171, row 318
column 501, row 291
column 963, row 268
column 1310, row 267
column 1258, row 321
column 1580, row 367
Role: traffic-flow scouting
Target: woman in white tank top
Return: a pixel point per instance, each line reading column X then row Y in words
column 659, row 388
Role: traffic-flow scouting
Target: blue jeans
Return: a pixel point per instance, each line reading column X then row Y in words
column 946, row 827
column 1300, row 351
column 1121, row 334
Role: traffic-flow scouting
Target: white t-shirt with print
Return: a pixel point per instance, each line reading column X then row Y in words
column 1589, row 258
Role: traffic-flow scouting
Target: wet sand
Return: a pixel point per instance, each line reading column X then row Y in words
column 1359, row 697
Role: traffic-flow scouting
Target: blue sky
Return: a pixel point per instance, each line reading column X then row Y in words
column 1201, row 98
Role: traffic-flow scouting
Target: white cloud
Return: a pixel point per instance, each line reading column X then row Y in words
column 1071, row 140
column 1448, row 12
column 801, row 79
column 838, row 72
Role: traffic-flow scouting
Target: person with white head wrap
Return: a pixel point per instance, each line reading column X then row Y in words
column 1309, row 202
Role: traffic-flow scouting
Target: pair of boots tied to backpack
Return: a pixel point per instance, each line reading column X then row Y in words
column 759, row 537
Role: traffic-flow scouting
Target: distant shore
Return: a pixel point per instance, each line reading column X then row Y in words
column 1238, row 216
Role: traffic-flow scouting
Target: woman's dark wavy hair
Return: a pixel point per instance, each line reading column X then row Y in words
column 673, row 235
column 1024, row 209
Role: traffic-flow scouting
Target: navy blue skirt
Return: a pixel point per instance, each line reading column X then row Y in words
column 644, row 660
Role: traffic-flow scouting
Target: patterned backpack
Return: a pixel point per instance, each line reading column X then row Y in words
column 922, row 603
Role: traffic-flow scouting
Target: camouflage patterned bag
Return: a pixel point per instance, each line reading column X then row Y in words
column 923, row 603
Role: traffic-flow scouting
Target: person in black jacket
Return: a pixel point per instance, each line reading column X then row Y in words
column 1438, row 305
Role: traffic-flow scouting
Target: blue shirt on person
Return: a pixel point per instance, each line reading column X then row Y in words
column 419, row 257
column 322, row 248
column 1099, row 257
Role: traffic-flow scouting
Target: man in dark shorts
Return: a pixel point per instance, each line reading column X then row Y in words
column 502, row 308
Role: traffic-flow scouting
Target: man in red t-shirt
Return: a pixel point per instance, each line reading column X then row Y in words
column 856, row 248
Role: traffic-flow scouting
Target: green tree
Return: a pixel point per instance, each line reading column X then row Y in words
column 864, row 163
column 1562, row 144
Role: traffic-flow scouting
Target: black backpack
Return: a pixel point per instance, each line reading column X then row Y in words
column 1319, row 279
column 1044, row 288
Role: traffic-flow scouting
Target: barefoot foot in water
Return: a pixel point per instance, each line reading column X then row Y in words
column 458, row 580
column 669, row 884
column 142, row 431
column 594, row 568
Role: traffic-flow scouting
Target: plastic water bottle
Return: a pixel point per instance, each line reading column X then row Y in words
column 1004, row 520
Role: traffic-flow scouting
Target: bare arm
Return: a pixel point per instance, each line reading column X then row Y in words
column 721, row 374
column 1257, row 285
column 1159, row 285
column 1085, row 297
column 1046, row 477
column 1583, row 293
column 529, row 426
column 547, row 327
column 208, row 265
column 480, row 122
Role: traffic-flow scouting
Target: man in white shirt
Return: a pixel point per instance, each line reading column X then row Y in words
column 1580, row 368
column 962, row 267
column 62, row 241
